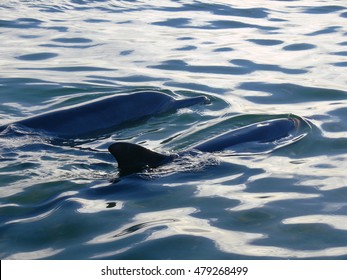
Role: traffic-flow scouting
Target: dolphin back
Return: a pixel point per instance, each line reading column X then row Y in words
column 133, row 158
column 106, row 113
column 261, row 132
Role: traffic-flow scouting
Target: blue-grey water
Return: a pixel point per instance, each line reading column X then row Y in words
column 252, row 59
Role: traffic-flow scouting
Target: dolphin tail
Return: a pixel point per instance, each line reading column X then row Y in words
column 133, row 158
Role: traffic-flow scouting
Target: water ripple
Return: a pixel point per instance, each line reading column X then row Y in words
column 324, row 9
column 299, row 47
column 335, row 221
column 37, row 56
column 33, row 255
column 293, row 93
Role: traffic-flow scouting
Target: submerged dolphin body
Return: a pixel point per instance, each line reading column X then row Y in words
column 105, row 113
column 133, row 158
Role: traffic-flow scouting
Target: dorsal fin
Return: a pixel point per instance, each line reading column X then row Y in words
column 132, row 157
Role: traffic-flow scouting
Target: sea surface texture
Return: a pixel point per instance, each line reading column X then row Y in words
column 254, row 60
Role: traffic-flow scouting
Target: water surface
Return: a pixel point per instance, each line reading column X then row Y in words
column 253, row 59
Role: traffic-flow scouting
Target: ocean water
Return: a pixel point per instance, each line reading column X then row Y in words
column 254, row 60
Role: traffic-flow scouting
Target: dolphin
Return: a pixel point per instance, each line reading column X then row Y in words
column 133, row 158
column 106, row 113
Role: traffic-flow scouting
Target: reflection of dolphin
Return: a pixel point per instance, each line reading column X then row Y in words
column 106, row 113
column 133, row 158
